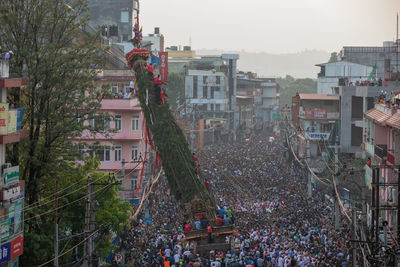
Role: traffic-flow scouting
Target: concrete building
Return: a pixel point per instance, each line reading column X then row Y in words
column 156, row 40
column 335, row 73
column 385, row 57
column 127, row 142
column 12, row 189
column 354, row 101
column 314, row 116
column 381, row 142
column 117, row 16
column 269, row 100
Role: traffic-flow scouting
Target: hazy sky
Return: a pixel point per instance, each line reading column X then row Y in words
column 273, row 26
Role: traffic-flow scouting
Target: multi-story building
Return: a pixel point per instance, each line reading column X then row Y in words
column 381, row 142
column 156, row 40
column 314, row 117
column 385, row 57
column 340, row 73
column 269, row 100
column 117, row 17
column 354, row 101
column 122, row 149
column 12, row 189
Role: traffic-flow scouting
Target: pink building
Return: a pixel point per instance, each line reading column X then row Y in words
column 127, row 142
column 382, row 145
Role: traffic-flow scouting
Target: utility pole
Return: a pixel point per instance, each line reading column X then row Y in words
column 86, row 261
column 308, row 155
column 56, row 228
column 337, row 208
column 354, row 256
column 91, row 221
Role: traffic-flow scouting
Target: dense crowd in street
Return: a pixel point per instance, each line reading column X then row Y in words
column 277, row 224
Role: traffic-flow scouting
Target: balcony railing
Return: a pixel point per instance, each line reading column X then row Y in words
column 4, row 68
column 381, row 151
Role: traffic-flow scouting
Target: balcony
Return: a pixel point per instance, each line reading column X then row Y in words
column 120, row 104
column 4, row 68
column 381, row 151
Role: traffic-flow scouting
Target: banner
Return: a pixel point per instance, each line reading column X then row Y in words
column 5, row 253
column 316, row 136
column 11, row 176
column 4, row 229
column 3, row 118
column 17, row 247
column 316, row 113
column 368, row 177
column 20, row 114
column 163, row 70
column 12, row 121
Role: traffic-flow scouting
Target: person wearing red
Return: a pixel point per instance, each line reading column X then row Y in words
column 150, row 69
column 207, row 184
column 209, row 231
column 218, row 221
column 188, row 228
column 196, row 159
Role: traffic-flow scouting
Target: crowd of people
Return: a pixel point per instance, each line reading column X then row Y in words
column 276, row 224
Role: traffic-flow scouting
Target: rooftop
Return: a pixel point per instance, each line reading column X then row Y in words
column 319, row 97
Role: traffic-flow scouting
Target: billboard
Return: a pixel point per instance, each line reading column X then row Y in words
column 163, row 70
column 316, row 113
column 17, row 247
column 11, row 176
column 12, row 121
column 3, row 118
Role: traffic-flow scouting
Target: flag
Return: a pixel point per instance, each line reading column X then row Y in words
column 373, row 72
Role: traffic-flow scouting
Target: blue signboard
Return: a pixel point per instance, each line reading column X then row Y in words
column 148, row 220
column 5, row 252
column 20, row 114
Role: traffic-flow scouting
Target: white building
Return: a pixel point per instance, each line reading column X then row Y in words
column 156, row 39
column 331, row 73
column 207, row 90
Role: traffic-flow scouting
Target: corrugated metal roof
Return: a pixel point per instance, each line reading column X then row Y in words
column 377, row 115
column 318, row 97
column 394, row 120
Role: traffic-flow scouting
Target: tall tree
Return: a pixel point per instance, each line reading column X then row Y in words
column 53, row 50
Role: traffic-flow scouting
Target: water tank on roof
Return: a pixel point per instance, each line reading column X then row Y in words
column 388, row 44
column 174, row 48
column 187, row 48
column 157, row 30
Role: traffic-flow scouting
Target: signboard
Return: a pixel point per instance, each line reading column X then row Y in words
column 276, row 116
column 12, row 121
column 317, row 136
column 118, row 257
column 316, row 113
column 12, row 192
column 5, row 254
column 163, row 70
column 11, row 176
column 17, row 247
column 20, row 115
column 15, row 215
column 3, row 118
column 4, row 229
column 368, row 177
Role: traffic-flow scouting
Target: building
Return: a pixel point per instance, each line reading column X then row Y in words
column 385, row 57
column 340, row 72
column 121, row 152
column 381, row 142
column 258, row 101
column 354, row 101
column 117, row 17
column 12, row 189
column 314, row 116
column 156, row 40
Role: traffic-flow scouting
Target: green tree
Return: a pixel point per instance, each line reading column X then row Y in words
column 306, row 85
column 112, row 215
column 176, row 89
column 334, row 57
column 57, row 56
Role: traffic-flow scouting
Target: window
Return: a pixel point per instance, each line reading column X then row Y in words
column 99, row 124
column 195, row 86
column 218, row 80
column 204, row 91
column 217, row 107
column 102, row 152
column 135, row 123
column 134, row 182
column 125, row 38
column 135, row 152
column 118, row 122
column 117, row 153
column 114, row 89
column 124, row 16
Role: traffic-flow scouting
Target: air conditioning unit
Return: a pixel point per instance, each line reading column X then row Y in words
column 390, row 195
column 5, row 166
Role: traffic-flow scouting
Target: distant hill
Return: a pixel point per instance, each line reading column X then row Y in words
column 298, row 65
